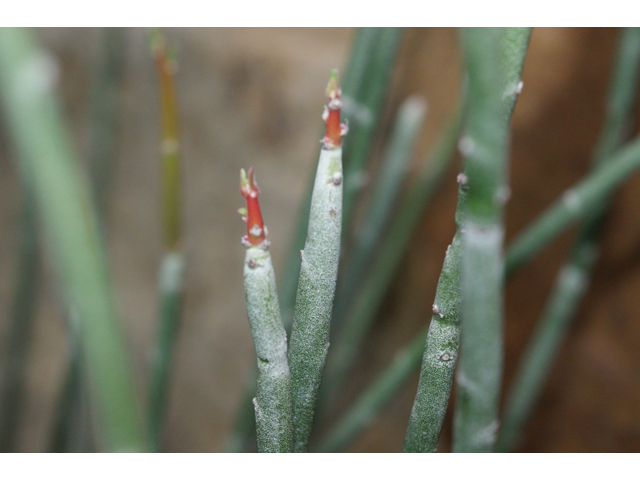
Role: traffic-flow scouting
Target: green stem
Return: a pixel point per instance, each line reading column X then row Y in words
column 363, row 126
column 104, row 109
column 72, row 431
column 493, row 88
column 273, row 403
column 171, row 295
column 173, row 264
column 104, row 115
column 316, row 290
column 439, row 358
column 572, row 281
column 26, row 82
column 575, row 204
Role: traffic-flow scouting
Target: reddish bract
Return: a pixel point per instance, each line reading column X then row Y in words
column 255, row 227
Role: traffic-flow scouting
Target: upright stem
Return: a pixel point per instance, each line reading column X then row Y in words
column 173, row 264
column 273, row 403
column 73, row 431
column 318, row 275
column 484, row 148
column 573, row 278
column 26, row 81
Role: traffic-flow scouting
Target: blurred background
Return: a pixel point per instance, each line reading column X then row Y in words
column 253, row 97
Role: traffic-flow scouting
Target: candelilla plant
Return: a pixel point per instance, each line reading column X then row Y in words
column 463, row 337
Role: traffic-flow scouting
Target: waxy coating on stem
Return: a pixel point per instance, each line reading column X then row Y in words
column 256, row 231
column 317, row 281
column 331, row 115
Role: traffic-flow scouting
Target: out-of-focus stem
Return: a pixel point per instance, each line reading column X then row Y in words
column 104, row 115
column 395, row 164
column 573, row 278
column 173, row 264
column 26, row 83
column 73, row 430
column 574, row 204
column 318, row 275
column 358, row 146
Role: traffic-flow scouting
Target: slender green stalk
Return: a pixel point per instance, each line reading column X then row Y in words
column 318, row 275
column 273, row 403
column 173, row 263
column 572, row 281
column 26, row 81
column 171, row 299
column 378, row 279
column 494, row 61
column 14, row 367
column 73, row 417
column 365, row 409
column 575, row 204
column 395, row 163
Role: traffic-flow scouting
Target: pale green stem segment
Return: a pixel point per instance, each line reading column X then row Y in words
column 573, row 278
column 493, row 87
column 173, row 263
column 436, row 376
column 316, row 290
column 272, row 404
column 26, row 81
column 439, row 358
column 171, row 296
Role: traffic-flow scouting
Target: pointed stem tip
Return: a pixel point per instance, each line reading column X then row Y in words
column 331, row 116
column 256, row 231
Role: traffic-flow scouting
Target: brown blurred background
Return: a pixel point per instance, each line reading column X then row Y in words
column 254, row 97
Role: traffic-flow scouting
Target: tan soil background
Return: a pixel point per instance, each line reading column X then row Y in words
column 254, row 97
